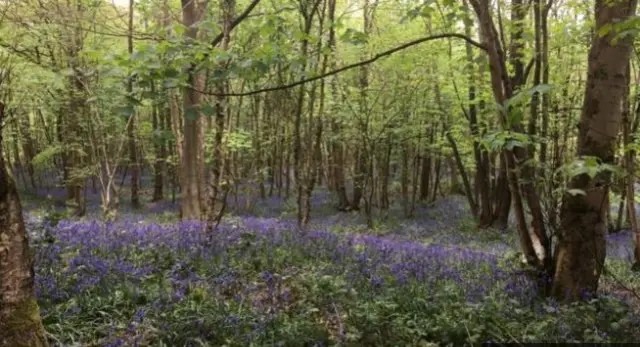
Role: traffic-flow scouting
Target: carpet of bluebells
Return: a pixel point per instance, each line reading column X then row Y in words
column 148, row 280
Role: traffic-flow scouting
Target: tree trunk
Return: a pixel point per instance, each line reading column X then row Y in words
column 28, row 148
column 629, row 164
column 425, row 172
column 20, row 322
column 581, row 249
column 463, row 173
column 314, row 143
column 404, row 179
column 544, row 59
column 131, row 129
column 72, row 131
column 386, row 174
column 337, row 145
column 159, row 144
column 300, row 159
column 174, row 124
column 503, row 88
column 192, row 163
column 502, row 199
column 483, row 188
column 261, row 131
column 222, row 111
column 362, row 150
column 454, row 179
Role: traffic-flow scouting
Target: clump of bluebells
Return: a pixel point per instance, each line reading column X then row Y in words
column 263, row 282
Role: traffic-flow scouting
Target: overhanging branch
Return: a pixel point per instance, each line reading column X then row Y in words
column 351, row 66
column 235, row 22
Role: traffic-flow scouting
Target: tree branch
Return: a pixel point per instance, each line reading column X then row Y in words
column 351, row 66
column 220, row 36
column 235, row 22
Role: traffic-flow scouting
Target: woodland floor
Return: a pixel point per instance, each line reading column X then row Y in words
column 149, row 280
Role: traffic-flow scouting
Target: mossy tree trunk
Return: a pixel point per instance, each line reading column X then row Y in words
column 20, row 323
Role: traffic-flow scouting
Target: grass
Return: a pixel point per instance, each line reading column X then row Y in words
column 147, row 280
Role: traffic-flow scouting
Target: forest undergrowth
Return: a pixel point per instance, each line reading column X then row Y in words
column 148, row 279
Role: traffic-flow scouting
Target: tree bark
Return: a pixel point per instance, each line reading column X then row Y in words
column 300, row 159
column 503, row 88
column 581, row 247
column 222, row 111
column 483, row 187
column 336, row 143
column 465, row 180
column 159, row 145
column 362, row 151
column 131, row 129
column 629, row 163
column 20, row 322
column 192, row 163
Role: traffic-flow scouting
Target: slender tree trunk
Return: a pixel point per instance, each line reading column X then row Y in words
column 463, row 173
column 425, row 172
column 404, row 180
column 454, row 180
column 415, row 174
column 629, row 163
column 503, row 87
column 621, row 211
column 362, row 152
column 18, row 165
column 299, row 159
column 72, row 131
column 386, row 174
column 160, row 148
column 131, row 129
column 222, row 111
column 537, row 70
column 544, row 58
column 174, row 124
column 261, row 136
column 314, row 159
column 28, row 148
column 483, row 187
column 337, row 144
column 286, row 168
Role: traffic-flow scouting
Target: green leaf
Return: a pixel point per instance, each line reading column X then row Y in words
column 515, row 116
column 354, row 37
column 44, row 158
column 511, row 144
column 605, row 29
column 426, row 11
column 207, row 110
column 300, row 35
column 179, row 29
column 540, row 88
